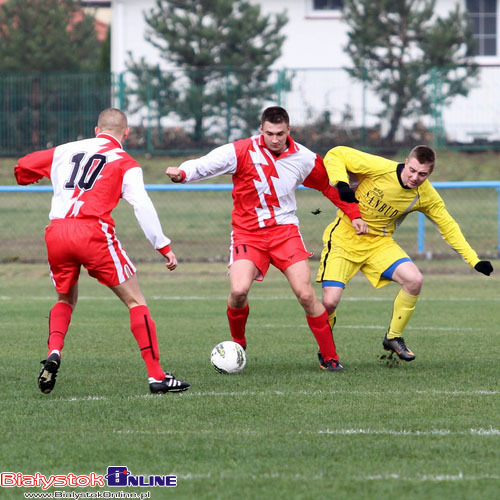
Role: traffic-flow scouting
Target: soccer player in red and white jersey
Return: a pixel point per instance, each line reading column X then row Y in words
column 89, row 177
column 266, row 170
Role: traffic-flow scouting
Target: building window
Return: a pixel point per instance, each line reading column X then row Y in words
column 324, row 9
column 328, row 4
column 483, row 14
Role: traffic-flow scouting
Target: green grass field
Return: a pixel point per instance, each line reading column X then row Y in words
column 282, row 429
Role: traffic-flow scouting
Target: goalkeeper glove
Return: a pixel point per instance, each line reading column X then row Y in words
column 346, row 193
column 484, row 266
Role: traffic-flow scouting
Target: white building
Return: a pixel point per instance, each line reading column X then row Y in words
column 313, row 51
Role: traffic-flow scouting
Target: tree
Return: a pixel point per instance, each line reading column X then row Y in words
column 225, row 49
column 413, row 59
column 45, row 46
column 155, row 88
column 48, row 35
column 104, row 60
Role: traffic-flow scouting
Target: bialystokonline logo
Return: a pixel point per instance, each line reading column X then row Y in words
column 117, row 476
column 120, row 476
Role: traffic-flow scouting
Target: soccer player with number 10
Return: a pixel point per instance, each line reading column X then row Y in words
column 89, row 177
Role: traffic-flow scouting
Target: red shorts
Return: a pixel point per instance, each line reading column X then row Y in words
column 72, row 243
column 280, row 246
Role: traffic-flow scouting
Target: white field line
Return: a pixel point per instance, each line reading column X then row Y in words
column 417, row 478
column 422, row 478
column 432, row 432
column 253, row 298
column 281, row 393
column 381, row 327
column 341, row 432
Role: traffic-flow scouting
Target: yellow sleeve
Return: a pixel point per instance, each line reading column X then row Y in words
column 435, row 209
column 341, row 160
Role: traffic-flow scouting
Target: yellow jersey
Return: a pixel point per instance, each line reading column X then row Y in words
column 384, row 201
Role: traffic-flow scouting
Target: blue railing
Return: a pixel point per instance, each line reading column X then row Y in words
column 457, row 185
column 227, row 187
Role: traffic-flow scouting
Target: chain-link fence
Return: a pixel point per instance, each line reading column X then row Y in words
column 326, row 106
column 199, row 222
column 42, row 110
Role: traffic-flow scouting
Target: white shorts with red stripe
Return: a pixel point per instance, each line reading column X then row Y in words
column 92, row 243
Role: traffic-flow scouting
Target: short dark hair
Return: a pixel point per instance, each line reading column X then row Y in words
column 112, row 119
column 424, row 154
column 275, row 114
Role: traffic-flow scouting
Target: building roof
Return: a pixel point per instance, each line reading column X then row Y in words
column 92, row 7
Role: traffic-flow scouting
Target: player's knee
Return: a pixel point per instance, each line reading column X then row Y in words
column 331, row 298
column 420, row 280
column 238, row 297
column 414, row 285
column 307, row 298
column 330, row 305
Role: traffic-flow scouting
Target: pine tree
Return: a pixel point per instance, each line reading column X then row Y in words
column 48, row 35
column 413, row 59
column 45, row 48
column 225, row 49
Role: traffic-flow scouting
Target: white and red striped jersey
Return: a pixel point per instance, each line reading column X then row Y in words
column 89, row 177
column 264, row 184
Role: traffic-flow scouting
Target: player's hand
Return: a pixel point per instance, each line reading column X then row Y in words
column 346, row 193
column 175, row 174
column 171, row 260
column 484, row 266
column 360, row 226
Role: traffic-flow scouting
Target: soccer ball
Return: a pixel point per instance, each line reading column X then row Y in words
column 228, row 357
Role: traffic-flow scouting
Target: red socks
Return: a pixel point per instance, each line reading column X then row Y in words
column 320, row 327
column 142, row 325
column 59, row 319
column 144, row 330
column 237, row 321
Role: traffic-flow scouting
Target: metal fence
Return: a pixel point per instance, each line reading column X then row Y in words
column 197, row 217
column 42, row 110
column 326, row 107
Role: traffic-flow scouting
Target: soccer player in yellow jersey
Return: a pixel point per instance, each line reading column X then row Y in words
column 386, row 191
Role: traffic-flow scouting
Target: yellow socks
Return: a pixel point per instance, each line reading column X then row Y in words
column 332, row 319
column 404, row 305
